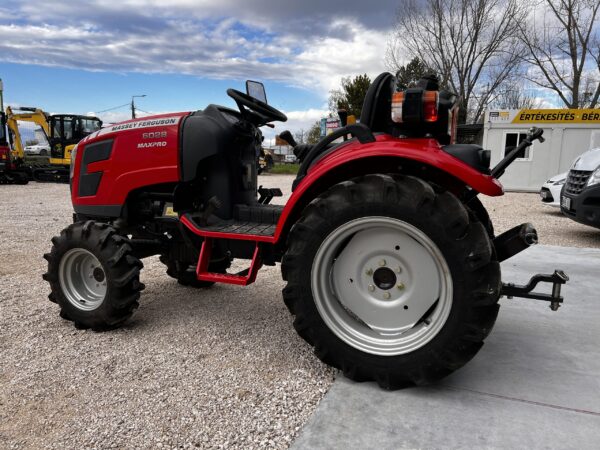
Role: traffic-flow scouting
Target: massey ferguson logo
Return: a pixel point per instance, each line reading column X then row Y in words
column 140, row 124
column 152, row 144
column 146, row 124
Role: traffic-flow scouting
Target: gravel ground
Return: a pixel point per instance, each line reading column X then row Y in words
column 553, row 228
column 212, row 368
column 194, row 368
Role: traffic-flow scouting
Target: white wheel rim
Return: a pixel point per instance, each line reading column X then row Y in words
column 82, row 279
column 382, row 285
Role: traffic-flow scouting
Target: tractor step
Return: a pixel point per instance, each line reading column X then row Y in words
column 250, row 223
column 234, row 227
column 243, row 278
column 230, row 229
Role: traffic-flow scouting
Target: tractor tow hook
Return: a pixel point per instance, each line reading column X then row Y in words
column 558, row 278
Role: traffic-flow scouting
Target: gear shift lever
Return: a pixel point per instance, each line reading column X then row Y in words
column 287, row 137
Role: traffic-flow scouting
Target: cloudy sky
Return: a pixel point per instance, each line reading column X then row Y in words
column 92, row 55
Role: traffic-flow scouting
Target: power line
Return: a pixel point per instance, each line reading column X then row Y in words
column 111, row 109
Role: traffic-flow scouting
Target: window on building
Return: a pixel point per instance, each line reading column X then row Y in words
column 511, row 140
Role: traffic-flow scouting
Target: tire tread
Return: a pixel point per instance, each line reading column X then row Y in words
column 469, row 238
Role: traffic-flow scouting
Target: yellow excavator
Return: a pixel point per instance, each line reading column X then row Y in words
column 62, row 132
column 11, row 171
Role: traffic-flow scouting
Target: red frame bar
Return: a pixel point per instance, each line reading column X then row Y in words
column 203, row 274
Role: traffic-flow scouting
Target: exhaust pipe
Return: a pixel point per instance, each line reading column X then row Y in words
column 514, row 241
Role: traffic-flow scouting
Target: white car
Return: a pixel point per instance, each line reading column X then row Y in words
column 290, row 159
column 550, row 191
column 37, row 149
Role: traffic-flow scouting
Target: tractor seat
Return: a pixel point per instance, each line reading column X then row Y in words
column 377, row 106
column 472, row 155
column 376, row 111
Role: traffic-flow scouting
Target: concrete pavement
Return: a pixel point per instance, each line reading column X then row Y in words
column 535, row 383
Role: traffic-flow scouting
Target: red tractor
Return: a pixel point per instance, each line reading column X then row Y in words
column 391, row 262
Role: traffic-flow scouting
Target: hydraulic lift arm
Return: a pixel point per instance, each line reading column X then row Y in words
column 24, row 114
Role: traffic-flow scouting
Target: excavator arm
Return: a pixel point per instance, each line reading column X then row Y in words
column 62, row 131
column 23, row 114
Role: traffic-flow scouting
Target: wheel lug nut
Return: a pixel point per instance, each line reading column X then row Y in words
column 382, row 263
column 369, row 272
column 386, row 295
column 400, row 286
column 371, row 288
column 398, row 269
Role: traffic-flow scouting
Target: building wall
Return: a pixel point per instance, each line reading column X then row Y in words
column 564, row 143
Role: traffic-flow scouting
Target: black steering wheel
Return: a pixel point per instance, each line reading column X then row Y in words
column 267, row 112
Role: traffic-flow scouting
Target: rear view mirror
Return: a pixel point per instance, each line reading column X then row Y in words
column 256, row 89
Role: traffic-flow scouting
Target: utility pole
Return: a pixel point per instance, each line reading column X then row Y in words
column 1, row 95
column 133, row 104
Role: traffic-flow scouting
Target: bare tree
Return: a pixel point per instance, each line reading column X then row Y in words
column 300, row 136
column 472, row 44
column 563, row 45
column 512, row 96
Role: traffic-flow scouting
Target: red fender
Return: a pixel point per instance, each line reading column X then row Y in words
column 426, row 151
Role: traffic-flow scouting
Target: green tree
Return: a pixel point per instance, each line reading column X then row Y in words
column 314, row 134
column 412, row 72
column 350, row 96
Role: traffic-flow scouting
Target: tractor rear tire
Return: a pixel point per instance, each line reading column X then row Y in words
column 367, row 254
column 185, row 273
column 94, row 276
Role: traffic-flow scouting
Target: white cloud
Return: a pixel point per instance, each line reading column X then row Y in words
column 286, row 43
column 297, row 120
column 310, row 44
column 331, row 58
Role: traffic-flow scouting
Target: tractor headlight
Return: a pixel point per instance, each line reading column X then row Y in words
column 595, row 177
column 72, row 165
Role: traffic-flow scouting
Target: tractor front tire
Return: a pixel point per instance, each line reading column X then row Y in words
column 94, row 276
column 391, row 280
